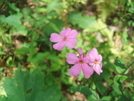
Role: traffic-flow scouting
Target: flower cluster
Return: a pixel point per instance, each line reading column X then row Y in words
column 88, row 63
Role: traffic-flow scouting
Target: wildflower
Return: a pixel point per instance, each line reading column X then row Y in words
column 80, row 64
column 95, row 60
column 67, row 38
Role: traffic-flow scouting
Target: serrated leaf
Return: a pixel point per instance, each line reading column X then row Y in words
column 81, row 21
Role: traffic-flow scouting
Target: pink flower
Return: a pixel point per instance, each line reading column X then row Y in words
column 80, row 64
column 67, row 38
column 95, row 60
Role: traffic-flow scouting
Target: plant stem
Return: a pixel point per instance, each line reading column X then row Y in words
column 131, row 64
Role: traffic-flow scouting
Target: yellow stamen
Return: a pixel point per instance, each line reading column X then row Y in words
column 95, row 61
column 64, row 38
column 81, row 62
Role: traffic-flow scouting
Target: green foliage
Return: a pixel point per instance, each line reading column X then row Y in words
column 26, row 86
column 92, row 95
column 1, row 2
column 105, row 8
column 31, row 70
column 81, row 21
column 129, row 12
column 124, row 38
column 14, row 21
column 120, row 67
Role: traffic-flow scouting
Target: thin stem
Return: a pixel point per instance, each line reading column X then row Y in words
column 79, row 50
column 131, row 64
column 128, row 67
column 75, row 49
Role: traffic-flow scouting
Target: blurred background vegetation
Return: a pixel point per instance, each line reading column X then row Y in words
column 31, row 70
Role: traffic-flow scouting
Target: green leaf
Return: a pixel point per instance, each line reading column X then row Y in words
column 100, row 87
column 26, row 86
column 26, row 11
column 3, row 98
column 41, row 9
column 36, row 58
column 49, row 94
column 22, row 50
column 124, row 98
column 2, row 18
column 106, row 98
column 124, row 38
column 56, row 25
column 120, row 66
column 81, row 21
column 117, row 87
column 92, row 95
column 55, row 4
column 14, row 21
column 12, row 6
column 122, row 77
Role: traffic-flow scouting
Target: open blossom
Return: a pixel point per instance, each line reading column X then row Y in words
column 66, row 37
column 80, row 63
column 95, row 60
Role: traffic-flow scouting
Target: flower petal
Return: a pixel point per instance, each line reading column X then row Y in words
column 72, row 34
column 91, row 59
column 86, row 59
column 64, row 32
column 100, row 64
column 99, row 57
column 59, row 45
column 75, row 70
column 87, row 70
column 71, row 43
column 97, row 68
column 93, row 54
column 72, row 58
column 55, row 37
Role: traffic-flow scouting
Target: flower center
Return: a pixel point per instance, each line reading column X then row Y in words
column 95, row 61
column 81, row 62
column 64, row 38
